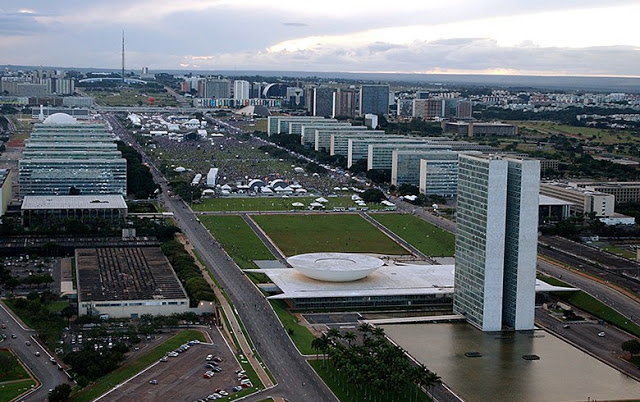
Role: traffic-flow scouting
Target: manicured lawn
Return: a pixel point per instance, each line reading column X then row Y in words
column 422, row 235
column 601, row 135
column 238, row 239
column 620, row 251
column 130, row 369
column 298, row 234
column 593, row 306
column 132, row 97
column 300, row 335
column 275, row 203
column 18, row 372
column 12, row 390
column 347, row 392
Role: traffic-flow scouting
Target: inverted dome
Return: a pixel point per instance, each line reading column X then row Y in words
column 60, row 118
column 335, row 267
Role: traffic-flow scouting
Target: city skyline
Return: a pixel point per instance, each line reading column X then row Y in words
column 459, row 37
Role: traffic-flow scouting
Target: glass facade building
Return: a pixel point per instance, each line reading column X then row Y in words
column 496, row 241
column 374, row 99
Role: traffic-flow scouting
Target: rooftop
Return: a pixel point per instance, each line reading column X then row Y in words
column 97, row 201
column 142, row 273
column 388, row 280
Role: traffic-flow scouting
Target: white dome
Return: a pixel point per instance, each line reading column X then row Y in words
column 60, row 118
column 194, row 122
column 335, row 267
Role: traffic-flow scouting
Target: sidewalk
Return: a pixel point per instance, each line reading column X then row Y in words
column 233, row 321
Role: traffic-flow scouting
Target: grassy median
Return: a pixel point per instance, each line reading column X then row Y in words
column 427, row 238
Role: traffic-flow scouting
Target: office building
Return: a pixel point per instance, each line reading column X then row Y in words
column 432, row 108
column 496, row 241
column 405, row 163
column 439, row 174
column 295, row 97
column 65, row 157
column 404, row 108
column 45, row 208
column 324, row 102
column 465, row 129
column 464, row 109
column 127, row 283
column 280, row 124
column 5, row 190
column 585, row 201
column 345, row 103
column 217, row 88
column 374, row 99
column 623, row 191
column 241, row 90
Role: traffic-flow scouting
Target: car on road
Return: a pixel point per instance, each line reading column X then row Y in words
column 52, row 360
column 37, row 354
column 27, row 343
column 221, row 392
column 154, row 382
column 566, row 326
column 214, row 396
column 13, row 336
column 4, row 326
column 164, row 359
column 601, row 334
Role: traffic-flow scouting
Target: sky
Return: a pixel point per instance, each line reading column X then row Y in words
column 512, row 37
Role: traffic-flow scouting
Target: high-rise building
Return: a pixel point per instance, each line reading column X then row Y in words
column 464, row 109
column 241, row 90
column 431, row 108
column 324, row 102
column 496, row 241
column 345, row 103
column 217, row 88
column 374, row 99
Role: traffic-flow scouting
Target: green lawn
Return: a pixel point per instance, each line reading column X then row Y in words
column 298, row 234
column 238, row 239
column 620, row 251
column 347, row 392
column 275, row 203
column 130, row 369
column 593, row 306
column 132, row 97
column 422, row 235
column 18, row 372
column 9, row 391
column 606, row 136
column 301, row 336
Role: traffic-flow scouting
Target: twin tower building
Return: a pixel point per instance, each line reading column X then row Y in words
column 496, row 241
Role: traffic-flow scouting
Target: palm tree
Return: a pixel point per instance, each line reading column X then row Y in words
column 365, row 328
column 349, row 336
column 321, row 344
column 334, row 333
column 378, row 332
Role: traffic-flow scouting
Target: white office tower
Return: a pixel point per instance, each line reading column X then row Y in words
column 496, row 241
column 241, row 90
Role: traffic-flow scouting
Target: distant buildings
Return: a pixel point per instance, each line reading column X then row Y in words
column 585, row 200
column 5, row 190
column 241, row 90
column 324, row 101
column 465, row 129
column 217, row 88
column 345, row 103
column 496, row 241
column 374, row 99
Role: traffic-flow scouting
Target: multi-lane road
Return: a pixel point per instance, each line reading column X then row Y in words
column 42, row 368
column 296, row 380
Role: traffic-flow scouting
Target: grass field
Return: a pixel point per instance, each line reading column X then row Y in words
column 593, row 306
column 601, row 135
column 298, row 234
column 238, row 239
column 300, row 335
column 620, row 251
column 422, row 235
column 275, row 203
column 18, row 372
column 347, row 392
column 132, row 97
column 9, row 391
column 128, row 370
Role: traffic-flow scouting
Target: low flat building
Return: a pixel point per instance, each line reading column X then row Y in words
column 624, row 191
column 553, row 208
column 466, row 129
column 47, row 208
column 127, row 283
column 585, row 201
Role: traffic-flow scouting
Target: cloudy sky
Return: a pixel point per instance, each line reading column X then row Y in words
column 541, row 37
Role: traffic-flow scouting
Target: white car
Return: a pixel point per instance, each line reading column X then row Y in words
column 601, row 334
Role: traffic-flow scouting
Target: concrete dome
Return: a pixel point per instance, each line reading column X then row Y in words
column 60, row 118
column 335, row 267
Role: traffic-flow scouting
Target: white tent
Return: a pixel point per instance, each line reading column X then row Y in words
column 322, row 200
column 316, row 205
column 297, row 204
column 301, row 190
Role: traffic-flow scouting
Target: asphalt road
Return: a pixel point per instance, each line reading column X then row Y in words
column 296, row 380
column 46, row 372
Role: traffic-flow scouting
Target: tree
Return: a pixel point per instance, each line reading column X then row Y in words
column 349, row 336
column 60, row 393
column 7, row 363
column 373, row 195
column 632, row 346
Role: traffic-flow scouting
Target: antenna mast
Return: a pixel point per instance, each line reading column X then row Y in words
column 123, row 57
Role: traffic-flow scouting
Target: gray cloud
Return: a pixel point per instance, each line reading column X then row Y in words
column 16, row 23
column 295, row 24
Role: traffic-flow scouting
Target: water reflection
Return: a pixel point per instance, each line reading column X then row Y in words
column 563, row 372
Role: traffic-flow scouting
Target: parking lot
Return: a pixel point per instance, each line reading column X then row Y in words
column 180, row 378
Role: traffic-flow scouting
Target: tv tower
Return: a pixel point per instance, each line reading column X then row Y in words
column 123, row 57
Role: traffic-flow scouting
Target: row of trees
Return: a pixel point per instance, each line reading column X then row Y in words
column 369, row 365
column 196, row 286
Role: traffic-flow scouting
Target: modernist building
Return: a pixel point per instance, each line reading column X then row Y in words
column 324, row 102
column 127, row 283
column 496, row 241
column 405, row 164
column 585, row 201
column 5, row 190
column 480, row 129
column 374, row 99
column 44, row 208
column 280, row 124
column 345, row 103
column 439, row 174
column 241, row 90
column 64, row 157
column 623, row 191
column 431, row 108
column 217, row 88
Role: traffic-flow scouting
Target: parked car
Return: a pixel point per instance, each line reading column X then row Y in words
column 37, row 354
column 601, row 334
column 154, row 382
column 164, row 359
column 236, row 388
